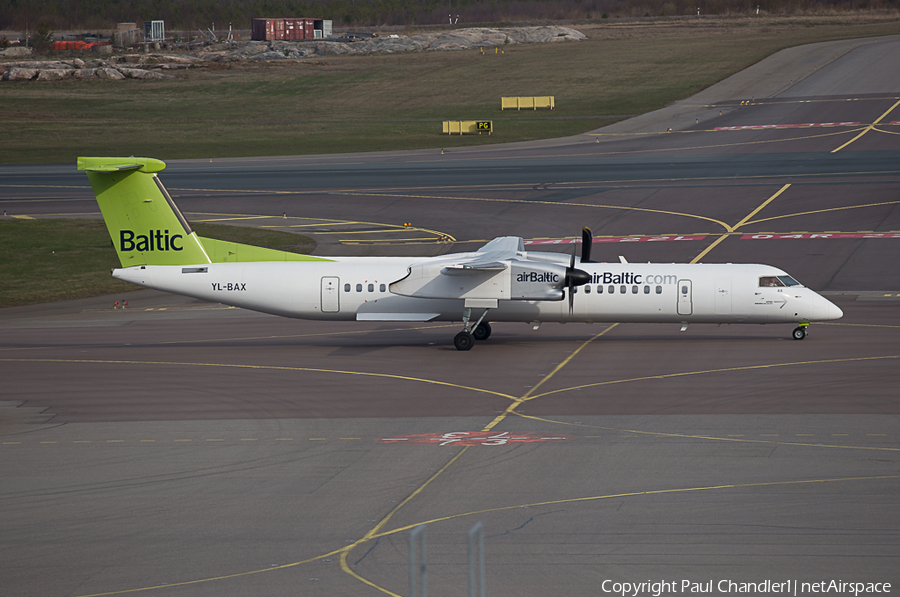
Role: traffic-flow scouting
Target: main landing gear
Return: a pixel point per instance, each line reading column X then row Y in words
column 465, row 340
column 800, row 332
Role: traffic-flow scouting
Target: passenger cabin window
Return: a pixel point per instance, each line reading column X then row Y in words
column 359, row 288
column 646, row 290
column 346, row 288
column 382, row 288
column 599, row 290
column 612, row 289
column 587, row 289
column 371, row 288
column 623, row 289
column 659, row 290
column 634, row 290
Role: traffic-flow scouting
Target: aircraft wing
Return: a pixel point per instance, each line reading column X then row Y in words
column 500, row 270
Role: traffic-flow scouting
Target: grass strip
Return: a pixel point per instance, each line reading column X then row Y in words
column 393, row 102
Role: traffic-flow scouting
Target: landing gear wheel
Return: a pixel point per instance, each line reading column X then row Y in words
column 483, row 331
column 799, row 333
column 464, row 341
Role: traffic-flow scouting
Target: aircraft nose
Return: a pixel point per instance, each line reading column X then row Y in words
column 824, row 310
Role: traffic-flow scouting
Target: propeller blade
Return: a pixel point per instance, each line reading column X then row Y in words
column 587, row 241
column 570, row 283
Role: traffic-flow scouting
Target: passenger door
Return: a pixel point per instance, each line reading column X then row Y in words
column 685, row 304
column 331, row 302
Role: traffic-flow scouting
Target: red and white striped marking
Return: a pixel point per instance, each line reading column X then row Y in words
column 615, row 239
column 473, row 438
column 762, row 127
column 835, row 235
column 645, row 239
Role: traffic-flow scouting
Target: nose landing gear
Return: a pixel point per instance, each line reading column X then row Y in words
column 800, row 332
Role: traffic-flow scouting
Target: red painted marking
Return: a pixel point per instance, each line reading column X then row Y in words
column 761, row 127
column 829, row 235
column 615, row 239
column 473, row 438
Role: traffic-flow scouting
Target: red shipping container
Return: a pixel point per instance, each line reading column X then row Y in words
column 289, row 29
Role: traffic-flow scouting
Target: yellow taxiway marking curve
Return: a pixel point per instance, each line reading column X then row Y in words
column 868, row 128
column 712, row 371
column 342, row 552
column 710, row 437
column 538, row 202
column 262, row 367
column 528, row 395
column 861, row 325
column 635, row 494
column 248, row 338
column 743, row 222
column 818, row 211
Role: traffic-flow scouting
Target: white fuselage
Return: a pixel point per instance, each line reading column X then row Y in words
column 360, row 289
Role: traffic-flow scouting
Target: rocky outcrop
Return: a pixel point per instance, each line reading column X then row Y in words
column 148, row 66
column 460, row 39
column 52, row 74
column 57, row 70
column 139, row 73
column 109, row 73
column 20, row 74
column 16, row 52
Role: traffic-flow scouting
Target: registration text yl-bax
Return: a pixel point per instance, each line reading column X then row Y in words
column 787, row 587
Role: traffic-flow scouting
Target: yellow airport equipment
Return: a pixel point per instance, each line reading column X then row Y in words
column 531, row 103
column 461, row 127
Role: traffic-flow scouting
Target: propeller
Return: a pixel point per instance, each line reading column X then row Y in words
column 574, row 277
column 587, row 241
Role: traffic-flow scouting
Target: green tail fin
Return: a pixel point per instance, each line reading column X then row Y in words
column 146, row 226
column 143, row 222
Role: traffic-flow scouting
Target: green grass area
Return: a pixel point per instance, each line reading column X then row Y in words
column 49, row 260
column 392, row 102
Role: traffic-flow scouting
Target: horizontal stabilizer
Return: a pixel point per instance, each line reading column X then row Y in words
column 148, row 165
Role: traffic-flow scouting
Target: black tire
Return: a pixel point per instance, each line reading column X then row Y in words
column 483, row 331
column 799, row 333
column 464, row 341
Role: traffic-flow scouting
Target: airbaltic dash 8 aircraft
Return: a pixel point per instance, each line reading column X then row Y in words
column 501, row 281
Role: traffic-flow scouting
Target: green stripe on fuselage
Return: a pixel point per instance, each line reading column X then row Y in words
column 221, row 251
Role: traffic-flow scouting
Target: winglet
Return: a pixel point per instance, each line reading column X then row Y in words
column 148, row 165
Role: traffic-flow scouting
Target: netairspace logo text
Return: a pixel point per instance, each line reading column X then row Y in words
column 786, row 587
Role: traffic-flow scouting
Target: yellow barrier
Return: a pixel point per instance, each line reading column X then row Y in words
column 533, row 103
column 461, row 127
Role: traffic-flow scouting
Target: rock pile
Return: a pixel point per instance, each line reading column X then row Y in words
column 112, row 68
column 460, row 39
column 148, row 66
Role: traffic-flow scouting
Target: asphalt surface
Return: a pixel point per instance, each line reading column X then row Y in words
column 180, row 448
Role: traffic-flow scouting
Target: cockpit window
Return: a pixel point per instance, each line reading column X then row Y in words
column 770, row 281
column 789, row 281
